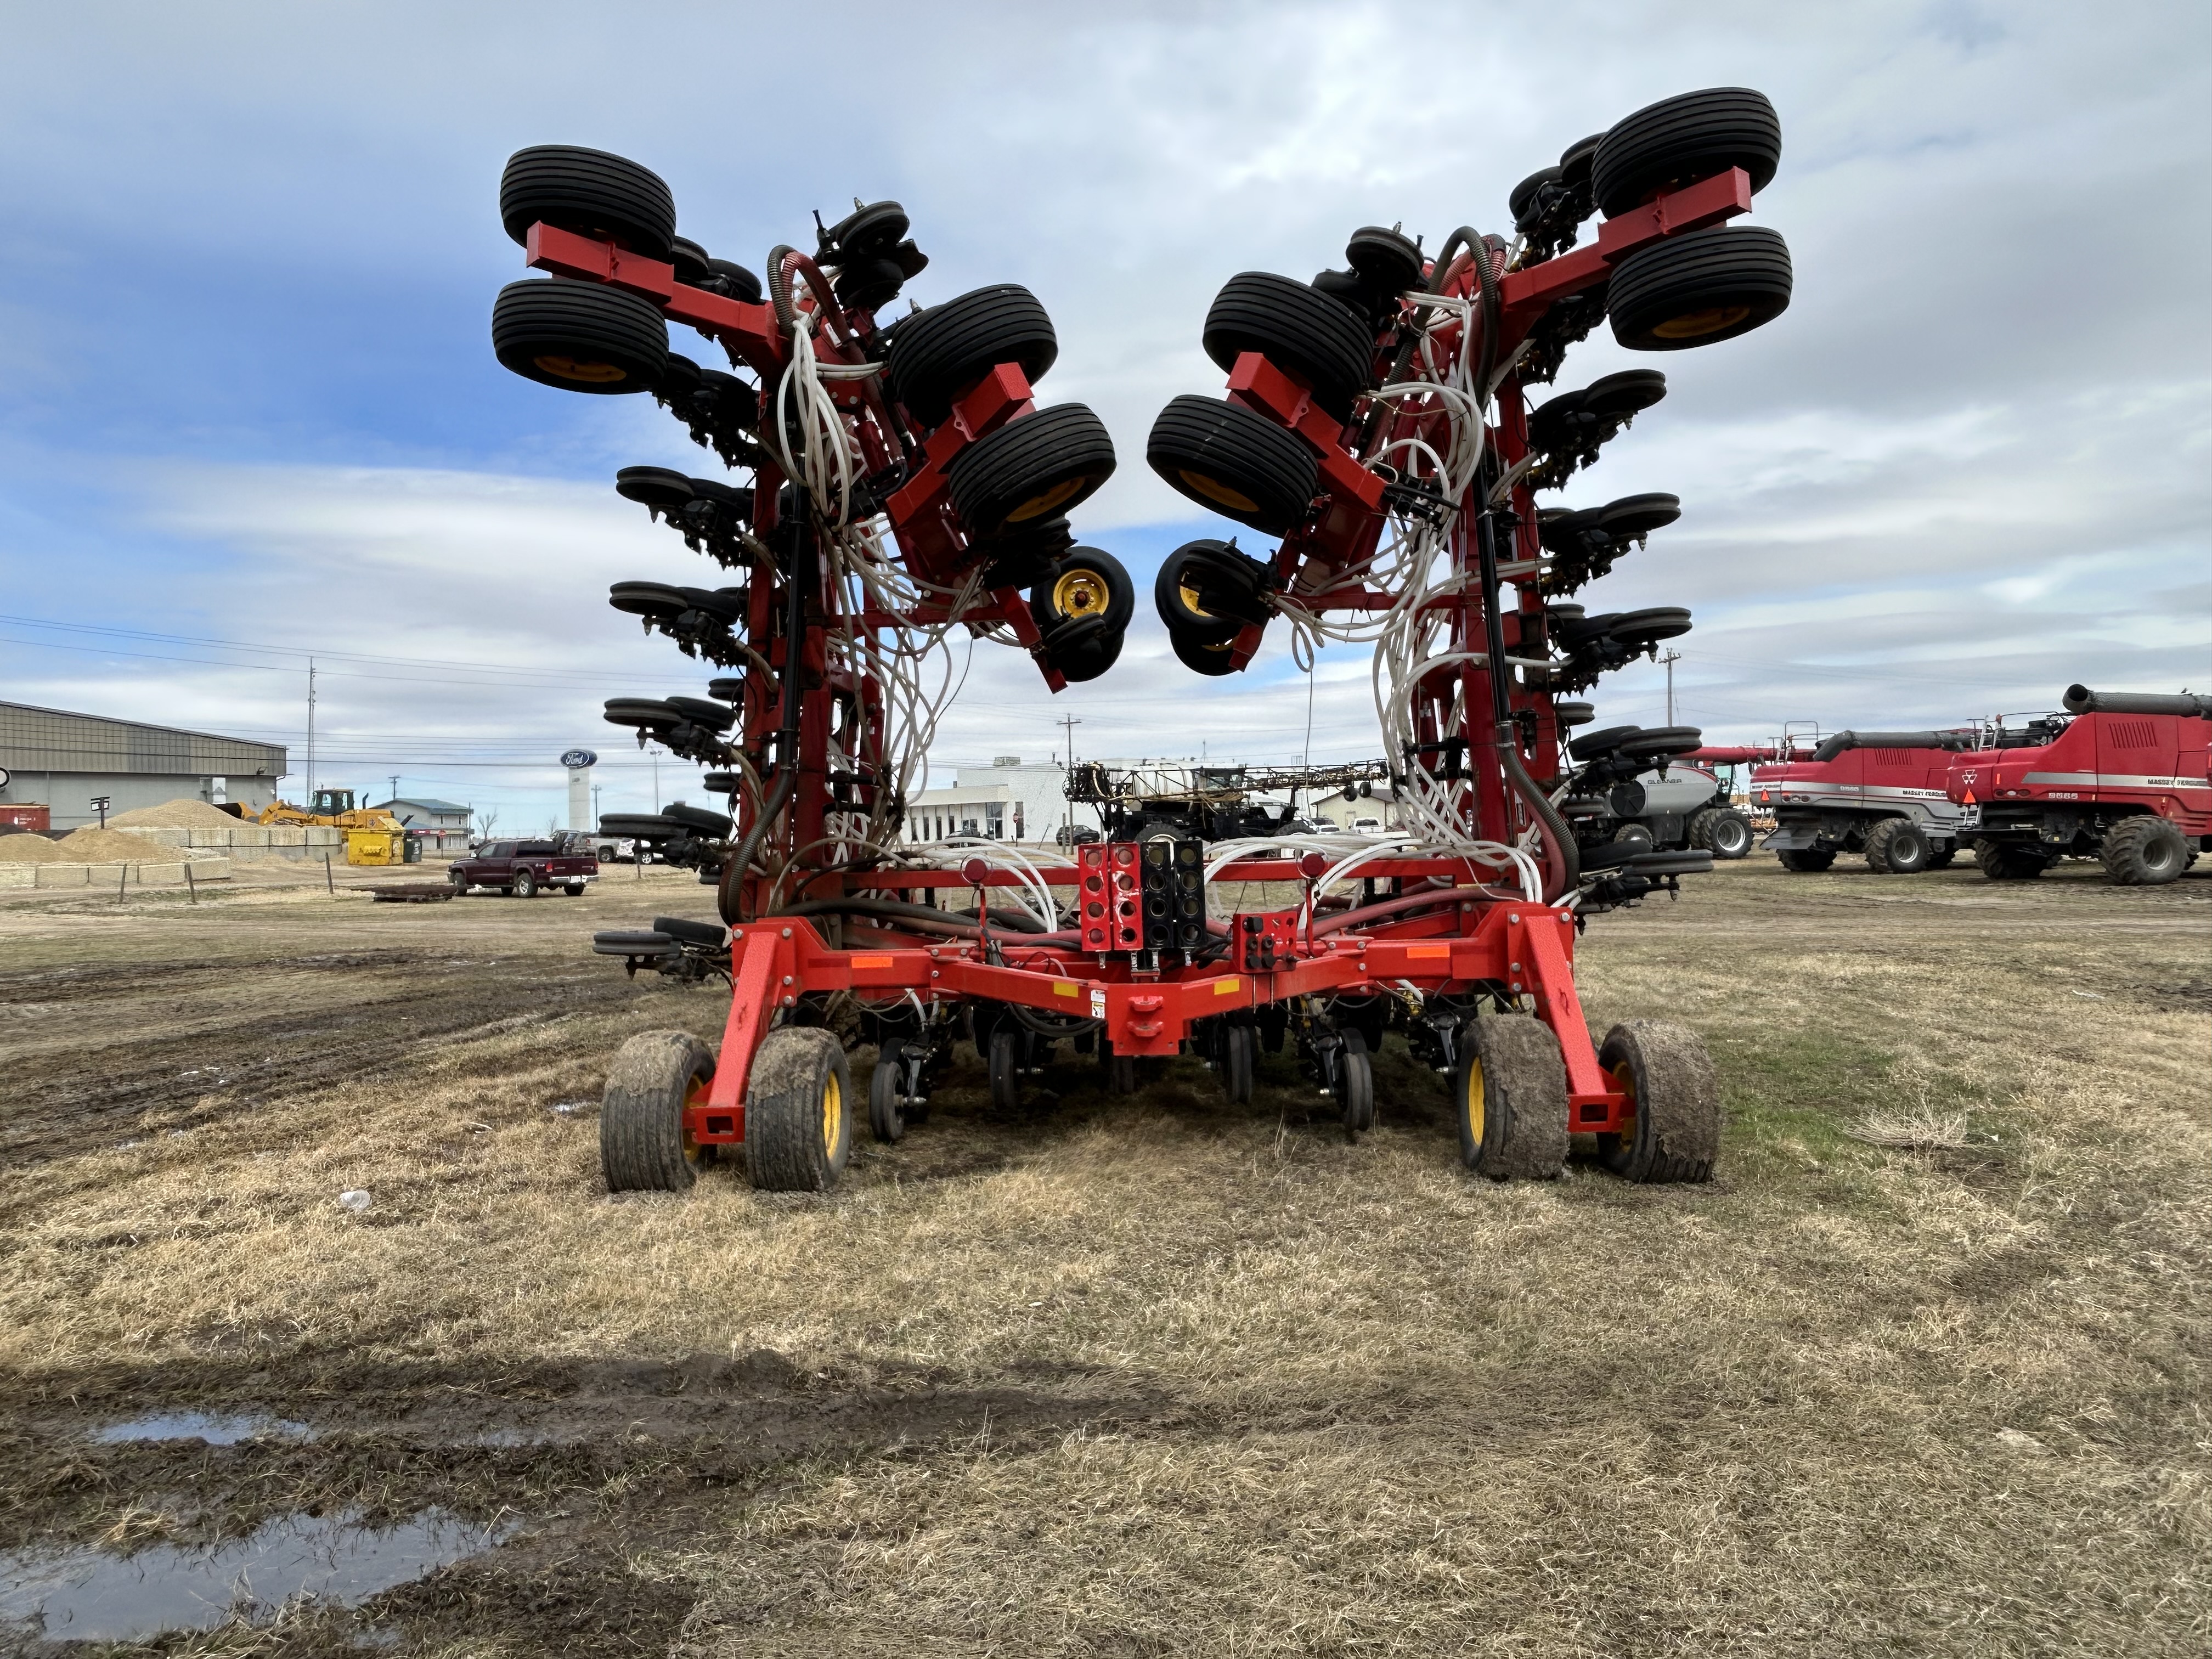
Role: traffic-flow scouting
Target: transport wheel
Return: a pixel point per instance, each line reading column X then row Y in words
column 1701, row 286
column 1234, row 462
column 886, row 1101
column 1211, row 660
column 1680, row 140
column 1669, row 1078
column 1120, row 1069
column 1355, row 1085
column 2001, row 863
column 579, row 337
column 643, row 1147
column 1210, row 590
column 798, row 1131
column 1632, row 835
column 1006, row 1052
column 1180, row 606
column 1510, row 1089
column 590, row 192
column 1295, row 327
column 1806, row 861
column 2145, row 851
column 460, row 881
column 1896, row 846
column 938, row 353
column 1085, row 582
column 1085, row 657
column 1729, row 834
column 1238, row 1055
column 524, row 884
column 1031, row 469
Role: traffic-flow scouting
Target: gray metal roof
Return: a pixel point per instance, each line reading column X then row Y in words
column 34, row 740
column 426, row 803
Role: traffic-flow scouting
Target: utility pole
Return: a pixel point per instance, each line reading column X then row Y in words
column 394, row 795
column 1669, row 661
column 311, row 732
column 656, row 780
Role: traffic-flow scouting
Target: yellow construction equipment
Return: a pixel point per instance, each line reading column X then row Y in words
column 373, row 837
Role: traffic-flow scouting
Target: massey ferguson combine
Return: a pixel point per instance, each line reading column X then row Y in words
column 1878, row 794
column 2119, row 777
column 902, row 485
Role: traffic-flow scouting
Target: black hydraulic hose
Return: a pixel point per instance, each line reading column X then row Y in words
column 779, row 288
column 924, row 917
column 1560, row 852
column 726, row 894
column 1845, row 741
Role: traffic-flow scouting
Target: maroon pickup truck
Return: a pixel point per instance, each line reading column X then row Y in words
column 523, row 868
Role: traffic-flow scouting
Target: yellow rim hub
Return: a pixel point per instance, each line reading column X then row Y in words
column 1693, row 324
column 1190, row 597
column 1624, row 1079
column 1475, row 1103
column 572, row 368
column 694, row 1096
column 1214, row 490
column 833, row 1114
column 1079, row 594
column 1038, row 506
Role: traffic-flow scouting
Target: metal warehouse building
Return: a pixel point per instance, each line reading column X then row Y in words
column 62, row 761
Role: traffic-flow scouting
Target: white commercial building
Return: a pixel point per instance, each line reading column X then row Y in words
column 1010, row 799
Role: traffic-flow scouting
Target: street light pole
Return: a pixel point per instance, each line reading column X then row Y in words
column 1068, row 723
column 1669, row 661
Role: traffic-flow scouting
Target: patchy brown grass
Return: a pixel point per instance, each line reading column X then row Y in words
column 1156, row 1375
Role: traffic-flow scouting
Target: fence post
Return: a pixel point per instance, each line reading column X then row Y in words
column 328, row 880
column 122, row 885
column 190, row 886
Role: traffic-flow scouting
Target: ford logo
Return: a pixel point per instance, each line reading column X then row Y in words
column 577, row 759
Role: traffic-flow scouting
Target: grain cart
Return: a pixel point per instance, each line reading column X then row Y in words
column 1880, row 794
column 1617, row 794
column 2120, row 776
column 1377, row 423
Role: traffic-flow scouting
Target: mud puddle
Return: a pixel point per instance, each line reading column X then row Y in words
column 85, row 1594
column 211, row 1428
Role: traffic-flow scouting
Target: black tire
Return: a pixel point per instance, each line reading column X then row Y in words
column 579, row 337
column 1234, row 463
column 1670, row 1079
column 1355, row 1085
column 1510, row 1095
column 590, row 192
column 1940, row 854
column 1035, row 468
column 2001, row 863
column 1295, row 327
column 798, row 1124
column 1238, row 1054
column 1121, row 1070
column 1603, row 741
column 1084, row 581
column 697, row 819
column 1699, row 288
column 460, row 883
column 1005, row 1065
column 574, row 889
column 1682, row 139
column 1806, row 861
column 938, row 353
column 1211, row 660
column 642, row 1144
column 1729, row 834
column 1896, row 846
column 886, row 1097
column 1087, row 658
column 1634, row 835
column 2145, row 851
column 1179, row 602
column 522, row 885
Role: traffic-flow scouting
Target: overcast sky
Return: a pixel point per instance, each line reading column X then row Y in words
column 247, row 395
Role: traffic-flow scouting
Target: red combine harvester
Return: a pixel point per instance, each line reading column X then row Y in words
column 1376, row 420
column 2119, row 777
column 1882, row 793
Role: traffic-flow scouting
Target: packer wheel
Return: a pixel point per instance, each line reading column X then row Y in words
column 1006, row 1056
column 1669, row 1078
column 643, row 1147
column 798, row 1129
column 579, row 337
column 1238, row 1052
column 887, row 1093
column 1510, row 1095
column 1355, row 1085
column 1234, row 462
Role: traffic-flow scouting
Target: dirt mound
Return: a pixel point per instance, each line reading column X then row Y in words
column 184, row 813
column 31, row 849
column 92, row 846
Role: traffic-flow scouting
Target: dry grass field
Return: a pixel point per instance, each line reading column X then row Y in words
column 1923, row 1371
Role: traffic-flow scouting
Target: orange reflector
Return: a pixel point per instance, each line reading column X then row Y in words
column 1428, row 950
column 872, row 962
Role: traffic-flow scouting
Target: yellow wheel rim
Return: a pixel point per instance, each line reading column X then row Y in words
column 1693, row 324
column 833, row 1114
column 694, row 1096
column 1475, row 1103
column 572, row 368
column 1079, row 594
column 1190, row 596
column 1038, row 506
column 1214, row 490
column 1625, row 1080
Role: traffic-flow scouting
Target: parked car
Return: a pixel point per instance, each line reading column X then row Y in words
column 522, row 868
